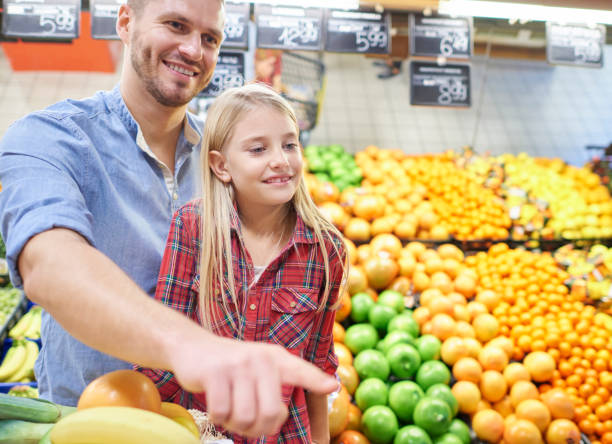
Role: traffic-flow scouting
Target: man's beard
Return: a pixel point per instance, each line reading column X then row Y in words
column 141, row 60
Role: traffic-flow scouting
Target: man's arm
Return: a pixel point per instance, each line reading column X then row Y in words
column 319, row 417
column 100, row 305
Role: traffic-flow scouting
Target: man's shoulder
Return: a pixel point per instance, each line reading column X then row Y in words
column 71, row 108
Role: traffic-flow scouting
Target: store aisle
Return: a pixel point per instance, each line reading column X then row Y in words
column 526, row 106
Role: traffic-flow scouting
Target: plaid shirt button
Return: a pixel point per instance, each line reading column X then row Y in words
column 252, row 306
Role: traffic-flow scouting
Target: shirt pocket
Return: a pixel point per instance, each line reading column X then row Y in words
column 291, row 318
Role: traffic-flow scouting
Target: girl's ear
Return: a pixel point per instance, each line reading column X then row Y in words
column 219, row 166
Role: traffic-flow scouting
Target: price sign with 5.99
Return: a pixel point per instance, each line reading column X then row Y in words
column 229, row 73
column 357, row 31
column 52, row 19
column 434, row 85
column 289, row 28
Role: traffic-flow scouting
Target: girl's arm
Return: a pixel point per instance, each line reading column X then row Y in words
column 319, row 419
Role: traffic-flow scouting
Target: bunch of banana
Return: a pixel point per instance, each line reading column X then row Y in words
column 119, row 425
column 29, row 325
column 18, row 363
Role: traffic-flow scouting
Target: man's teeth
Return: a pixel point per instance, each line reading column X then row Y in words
column 181, row 70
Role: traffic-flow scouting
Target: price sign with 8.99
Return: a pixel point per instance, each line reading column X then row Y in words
column 52, row 19
column 434, row 85
column 288, row 28
column 229, row 73
column 356, row 31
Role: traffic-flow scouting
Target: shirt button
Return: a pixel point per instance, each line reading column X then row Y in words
column 292, row 303
column 175, row 196
column 252, row 306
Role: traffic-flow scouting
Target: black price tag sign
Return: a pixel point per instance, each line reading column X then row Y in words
column 236, row 31
column 47, row 19
column 289, row 28
column 435, row 85
column 578, row 45
column 433, row 36
column 356, row 31
column 229, row 73
column 104, row 18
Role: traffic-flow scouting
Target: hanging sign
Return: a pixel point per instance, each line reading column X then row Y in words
column 104, row 18
column 289, row 28
column 236, row 32
column 435, row 85
column 434, row 36
column 358, row 32
column 229, row 73
column 579, row 45
column 41, row 19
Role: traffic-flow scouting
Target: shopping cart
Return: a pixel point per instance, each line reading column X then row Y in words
column 303, row 80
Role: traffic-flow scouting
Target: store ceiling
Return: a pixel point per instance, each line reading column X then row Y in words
column 419, row 5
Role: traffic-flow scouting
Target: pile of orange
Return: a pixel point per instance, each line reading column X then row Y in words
column 538, row 313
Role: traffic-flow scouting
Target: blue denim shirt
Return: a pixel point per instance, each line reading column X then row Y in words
column 84, row 165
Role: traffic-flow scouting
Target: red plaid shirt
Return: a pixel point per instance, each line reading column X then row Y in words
column 280, row 308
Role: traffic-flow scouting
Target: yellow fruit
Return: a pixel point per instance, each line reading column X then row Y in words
column 493, row 358
column 540, row 366
column 514, row 372
column 467, row 395
column 467, row 369
column 493, row 386
column 534, row 411
column 486, row 327
column 488, row 425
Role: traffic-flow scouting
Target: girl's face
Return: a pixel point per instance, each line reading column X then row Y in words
column 262, row 159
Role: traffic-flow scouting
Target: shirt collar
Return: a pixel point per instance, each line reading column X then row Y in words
column 302, row 234
column 116, row 103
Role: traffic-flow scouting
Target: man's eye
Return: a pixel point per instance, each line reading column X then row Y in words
column 176, row 25
column 210, row 40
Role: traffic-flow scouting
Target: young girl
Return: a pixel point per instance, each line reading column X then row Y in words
column 254, row 259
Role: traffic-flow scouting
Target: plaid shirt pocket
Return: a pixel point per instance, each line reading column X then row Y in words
column 291, row 318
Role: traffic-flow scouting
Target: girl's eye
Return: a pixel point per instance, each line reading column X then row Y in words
column 291, row 146
column 256, row 150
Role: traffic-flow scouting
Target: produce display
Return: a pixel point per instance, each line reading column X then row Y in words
column 530, row 362
column 9, row 300
column 18, row 363
column 123, row 406
column 333, row 164
column 28, row 325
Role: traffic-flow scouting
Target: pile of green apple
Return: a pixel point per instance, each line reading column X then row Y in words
column 404, row 393
column 333, row 164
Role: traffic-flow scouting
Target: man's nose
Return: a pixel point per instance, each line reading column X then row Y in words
column 191, row 47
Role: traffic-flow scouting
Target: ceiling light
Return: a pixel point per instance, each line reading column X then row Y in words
column 523, row 12
column 330, row 4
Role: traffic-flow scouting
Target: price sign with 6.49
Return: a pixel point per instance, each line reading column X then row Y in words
column 289, row 28
column 434, row 85
column 433, row 36
column 229, row 73
column 52, row 19
column 356, row 31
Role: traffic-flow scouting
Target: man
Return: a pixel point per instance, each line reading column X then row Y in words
column 89, row 191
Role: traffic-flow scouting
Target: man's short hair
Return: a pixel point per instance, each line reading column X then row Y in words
column 139, row 5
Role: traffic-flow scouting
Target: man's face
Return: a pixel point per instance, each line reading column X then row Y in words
column 174, row 47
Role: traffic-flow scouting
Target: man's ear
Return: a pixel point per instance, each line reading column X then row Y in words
column 125, row 17
column 219, row 166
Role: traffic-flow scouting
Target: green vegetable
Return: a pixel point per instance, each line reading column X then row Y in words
column 35, row 410
column 14, row 431
column 2, row 248
column 24, row 391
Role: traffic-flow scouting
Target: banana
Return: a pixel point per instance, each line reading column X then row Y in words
column 119, row 425
column 21, row 326
column 27, row 368
column 14, row 361
column 33, row 331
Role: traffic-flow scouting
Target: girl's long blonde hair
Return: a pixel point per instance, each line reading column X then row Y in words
column 216, row 271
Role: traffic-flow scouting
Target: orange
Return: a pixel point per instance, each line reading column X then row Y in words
column 559, row 404
column 467, row 395
column 562, row 431
column 493, row 358
column 452, row 350
column 540, row 366
column 467, row 369
column 534, row 411
column 521, row 431
column 515, row 372
column 493, row 386
column 522, row 390
column 488, row 425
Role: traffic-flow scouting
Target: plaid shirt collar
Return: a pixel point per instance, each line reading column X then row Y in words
column 302, row 234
